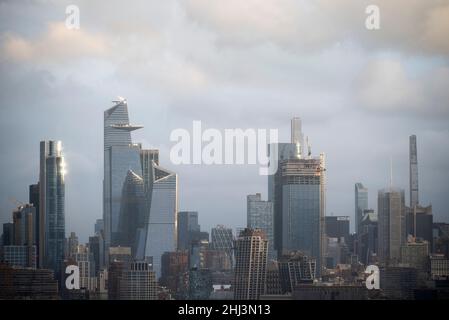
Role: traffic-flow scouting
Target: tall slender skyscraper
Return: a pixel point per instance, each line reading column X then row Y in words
column 414, row 198
column 391, row 224
column 51, row 206
column 361, row 203
column 120, row 155
column 187, row 223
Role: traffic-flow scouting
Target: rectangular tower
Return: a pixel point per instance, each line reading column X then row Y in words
column 414, row 199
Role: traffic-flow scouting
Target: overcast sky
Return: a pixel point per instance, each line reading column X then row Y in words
column 230, row 64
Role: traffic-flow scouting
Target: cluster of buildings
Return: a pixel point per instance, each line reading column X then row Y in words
column 145, row 248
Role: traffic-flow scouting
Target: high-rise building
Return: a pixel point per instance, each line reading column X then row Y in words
column 222, row 239
column 138, row 282
column 297, row 191
column 419, row 223
column 391, row 224
column 200, row 284
column 72, row 245
column 367, row 237
column 337, row 227
column 86, row 264
column 133, row 211
column 120, row 155
column 250, row 266
column 34, row 200
column 96, row 247
column 187, row 224
column 415, row 254
column 8, row 234
column 99, row 226
column 259, row 215
column 414, row 199
column 173, row 264
column 361, row 203
column 161, row 230
column 51, row 206
column 294, row 269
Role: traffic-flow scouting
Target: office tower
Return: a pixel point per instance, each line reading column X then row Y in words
column 187, row 223
column 147, row 158
column 273, row 282
column 119, row 261
column 414, row 198
column 367, row 237
column 415, row 254
column 51, row 206
column 251, row 262
column 173, row 264
column 27, row 284
column 294, row 269
column 398, row 282
column 86, row 264
column 8, row 234
column 99, row 226
column 439, row 267
column 440, row 241
column 200, row 284
column 361, row 203
column 259, row 215
column 322, row 291
column 72, row 244
column 419, row 223
column 96, row 247
column 24, row 221
column 34, row 200
column 337, row 227
column 20, row 249
column 161, row 230
column 222, row 239
column 138, row 282
column 133, row 209
column 120, row 155
column 297, row 191
column 197, row 254
column 391, row 224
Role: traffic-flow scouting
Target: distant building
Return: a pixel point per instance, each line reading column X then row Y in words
column 138, row 282
column 86, row 264
column 391, row 224
column 200, row 284
column 367, row 237
column 251, row 262
column 326, row 292
column 294, row 269
column 415, row 255
column 337, row 227
column 273, row 281
column 27, row 284
column 222, row 239
column 187, row 224
column 398, row 282
column 20, row 256
column 259, row 215
column 72, row 245
column 173, row 264
column 439, row 267
column 419, row 223
column 361, row 203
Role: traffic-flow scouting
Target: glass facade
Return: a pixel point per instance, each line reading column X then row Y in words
column 260, row 216
column 52, row 202
column 361, row 203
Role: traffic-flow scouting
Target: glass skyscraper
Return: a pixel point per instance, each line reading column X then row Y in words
column 297, row 191
column 52, row 206
column 361, row 203
column 120, row 155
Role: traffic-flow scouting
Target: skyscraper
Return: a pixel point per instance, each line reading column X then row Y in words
column 391, row 224
column 160, row 233
column 222, row 239
column 414, row 199
column 297, row 191
column 120, row 155
column 251, row 263
column 187, row 223
column 259, row 215
column 361, row 203
column 51, row 206
column 34, row 200
column 138, row 282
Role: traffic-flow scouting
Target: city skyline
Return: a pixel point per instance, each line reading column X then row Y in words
column 360, row 93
